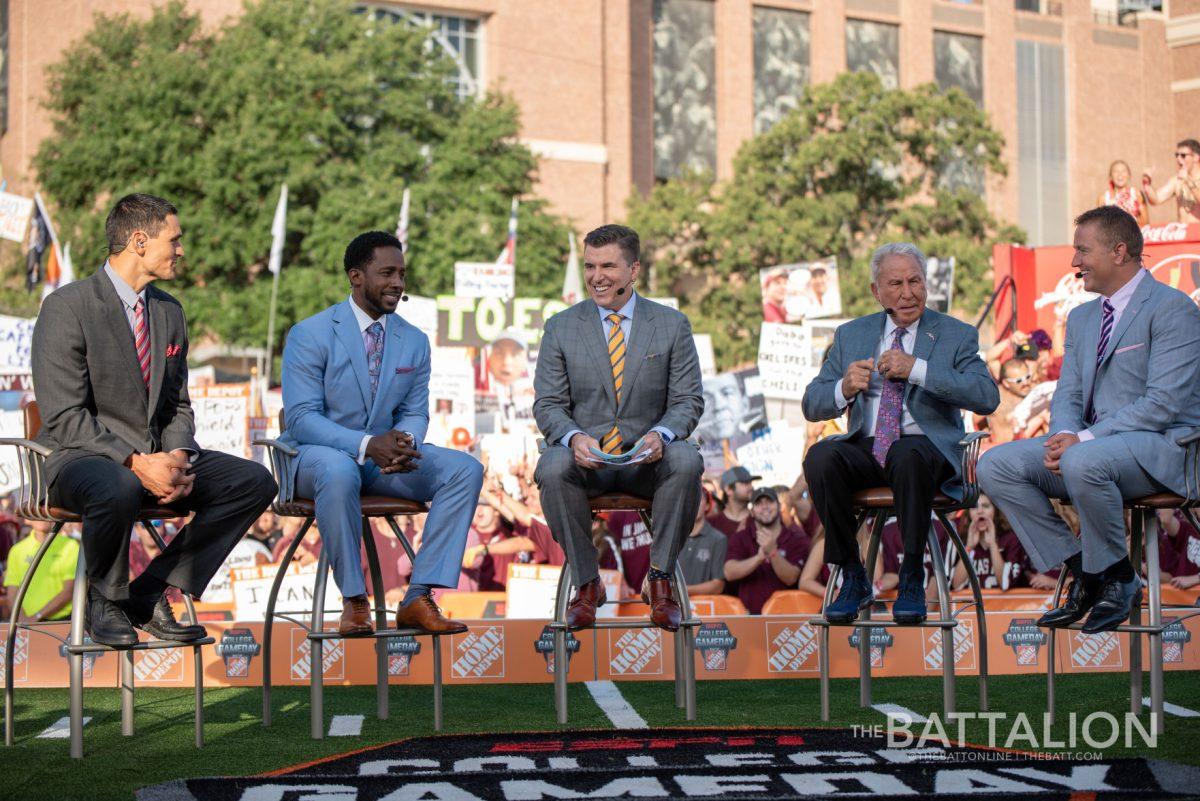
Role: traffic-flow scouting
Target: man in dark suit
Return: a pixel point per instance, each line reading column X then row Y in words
column 110, row 371
column 613, row 371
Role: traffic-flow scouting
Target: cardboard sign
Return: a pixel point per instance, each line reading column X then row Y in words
column 784, row 356
column 16, row 344
column 474, row 322
column 531, row 590
column 484, row 279
column 15, row 212
column 222, row 414
column 252, row 584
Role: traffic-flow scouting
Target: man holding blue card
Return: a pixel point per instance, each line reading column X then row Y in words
column 617, row 394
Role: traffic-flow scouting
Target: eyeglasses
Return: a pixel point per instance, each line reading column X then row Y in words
column 1025, row 379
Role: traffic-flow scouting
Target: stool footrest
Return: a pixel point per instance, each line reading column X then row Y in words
column 625, row 623
column 872, row 624
column 1123, row 628
column 145, row 645
column 383, row 634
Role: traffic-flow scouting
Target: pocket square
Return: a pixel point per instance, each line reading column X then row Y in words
column 1129, row 347
column 652, row 356
column 173, row 350
column 403, row 370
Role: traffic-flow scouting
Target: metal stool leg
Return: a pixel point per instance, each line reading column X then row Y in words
column 10, row 640
column 437, row 682
column 75, row 660
column 198, row 690
column 980, row 612
column 1052, row 654
column 381, row 673
column 823, row 650
column 126, row 682
column 687, row 647
column 864, row 634
column 561, row 600
column 269, row 620
column 316, row 677
column 943, row 589
column 1136, row 533
column 1156, row 655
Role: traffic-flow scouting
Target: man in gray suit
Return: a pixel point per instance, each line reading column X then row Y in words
column 614, row 371
column 905, row 373
column 110, row 372
column 1130, row 388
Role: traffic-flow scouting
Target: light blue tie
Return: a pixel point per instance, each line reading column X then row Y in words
column 374, row 354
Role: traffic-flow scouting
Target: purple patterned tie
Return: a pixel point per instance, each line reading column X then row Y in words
column 1106, row 327
column 891, row 409
column 373, row 338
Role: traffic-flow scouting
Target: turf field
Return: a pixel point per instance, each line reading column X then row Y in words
column 237, row 744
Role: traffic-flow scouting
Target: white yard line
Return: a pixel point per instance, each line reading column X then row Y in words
column 60, row 729
column 1174, row 709
column 897, row 711
column 345, row 726
column 612, row 703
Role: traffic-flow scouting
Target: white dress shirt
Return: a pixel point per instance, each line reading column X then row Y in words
column 129, row 299
column 365, row 322
column 870, row 397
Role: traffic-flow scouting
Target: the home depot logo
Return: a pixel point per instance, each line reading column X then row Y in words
column 479, row 654
column 159, row 666
column 20, row 657
column 791, row 648
column 544, row 645
column 1174, row 637
column 89, row 657
column 964, row 646
column 400, row 651
column 635, row 652
column 878, row 640
column 715, row 641
column 333, row 657
column 1026, row 640
column 1095, row 650
column 237, row 647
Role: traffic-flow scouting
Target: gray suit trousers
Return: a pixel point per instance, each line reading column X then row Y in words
column 1097, row 476
column 673, row 483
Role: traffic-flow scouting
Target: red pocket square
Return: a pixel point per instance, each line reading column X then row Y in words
column 173, row 350
column 403, row 370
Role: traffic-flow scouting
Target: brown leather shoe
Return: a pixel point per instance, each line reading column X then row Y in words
column 581, row 612
column 423, row 614
column 664, row 611
column 356, row 616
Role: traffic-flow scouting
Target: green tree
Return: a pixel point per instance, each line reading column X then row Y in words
column 346, row 108
column 854, row 166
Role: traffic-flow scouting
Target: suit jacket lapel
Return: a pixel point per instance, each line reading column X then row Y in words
column 1087, row 347
column 592, row 333
column 927, row 334
column 1140, row 295
column 641, row 333
column 112, row 312
column 345, row 327
column 393, row 340
column 156, row 313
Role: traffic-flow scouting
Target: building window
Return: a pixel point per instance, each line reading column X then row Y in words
column 459, row 37
column 685, row 96
column 1042, row 142
column 781, row 63
column 958, row 63
column 874, row 47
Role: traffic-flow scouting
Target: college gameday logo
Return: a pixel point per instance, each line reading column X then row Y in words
column 20, row 657
column 478, row 654
column 792, row 648
column 89, row 658
column 635, row 652
column 400, row 651
column 159, row 666
column 237, row 647
column 1095, row 650
column 544, row 645
column 715, row 641
column 964, row 646
column 1026, row 640
column 1174, row 637
column 879, row 641
column 333, row 657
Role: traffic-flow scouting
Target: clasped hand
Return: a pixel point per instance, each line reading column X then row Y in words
column 164, row 475
column 893, row 365
column 1055, row 447
column 393, row 451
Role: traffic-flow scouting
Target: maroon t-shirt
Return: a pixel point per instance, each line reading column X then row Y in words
column 892, row 545
column 493, row 570
column 546, row 551
column 726, row 526
column 1016, row 563
column 1186, row 546
column 634, row 541
column 756, row 588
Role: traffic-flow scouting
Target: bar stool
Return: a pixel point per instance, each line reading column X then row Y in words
column 685, row 637
column 1143, row 542
column 386, row 507
column 879, row 504
column 34, row 504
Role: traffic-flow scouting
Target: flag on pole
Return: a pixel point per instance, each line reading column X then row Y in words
column 509, row 254
column 42, row 237
column 402, row 223
column 278, row 232
column 572, row 291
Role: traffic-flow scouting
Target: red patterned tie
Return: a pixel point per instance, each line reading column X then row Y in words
column 891, row 409
column 141, row 340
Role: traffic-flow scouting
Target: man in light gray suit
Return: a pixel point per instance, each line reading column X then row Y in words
column 1130, row 388
column 905, row 373
column 612, row 372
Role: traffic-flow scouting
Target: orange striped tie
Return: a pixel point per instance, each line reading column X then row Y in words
column 616, row 354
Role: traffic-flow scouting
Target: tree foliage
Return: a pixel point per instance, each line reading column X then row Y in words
column 346, row 109
column 854, row 166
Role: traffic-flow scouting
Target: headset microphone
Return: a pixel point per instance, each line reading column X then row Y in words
column 404, row 298
column 889, row 311
column 1079, row 274
column 621, row 291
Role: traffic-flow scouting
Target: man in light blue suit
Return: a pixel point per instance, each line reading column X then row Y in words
column 356, row 405
column 1130, row 388
column 906, row 374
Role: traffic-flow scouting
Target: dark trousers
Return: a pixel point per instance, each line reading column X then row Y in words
column 228, row 496
column 836, row 469
column 673, row 483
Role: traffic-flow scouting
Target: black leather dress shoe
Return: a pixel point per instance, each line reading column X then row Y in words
column 1114, row 603
column 163, row 625
column 1080, row 597
column 105, row 622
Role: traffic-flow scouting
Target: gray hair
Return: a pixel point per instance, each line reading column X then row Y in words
column 896, row 249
